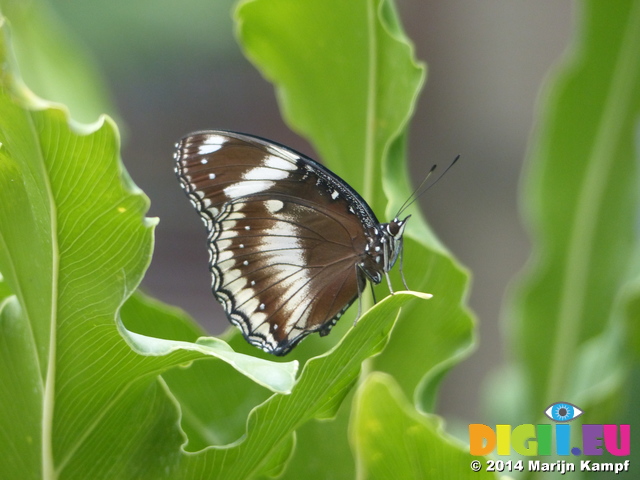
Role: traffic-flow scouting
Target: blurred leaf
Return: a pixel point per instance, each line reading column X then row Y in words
column 319, row 440
column 134, row 39
column 631, row 305
column 4, row 289
column 581, row 202
column 393, row 440
column 54, row 65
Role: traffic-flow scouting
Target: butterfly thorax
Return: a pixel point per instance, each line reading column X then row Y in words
column 384, row 244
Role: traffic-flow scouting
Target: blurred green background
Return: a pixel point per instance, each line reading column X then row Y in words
column 174, row 67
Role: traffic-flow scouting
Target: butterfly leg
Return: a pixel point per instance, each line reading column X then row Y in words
column 387, row 265
column 404, row 281
column 386, row 274
column 361, row 280
column 373, row 293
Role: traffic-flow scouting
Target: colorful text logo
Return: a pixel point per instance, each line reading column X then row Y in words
column 544, row 439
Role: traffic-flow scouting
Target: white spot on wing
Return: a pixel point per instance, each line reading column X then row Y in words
column 281, row 245
column 224, row 244
column 231, row 275
column 274, row 206
column 263, row 173
column 242, row 189
column 224, row 255
column 262, row 329
column 204, row 149
column 299, row 309
column 283, row 252
column 334, row 194
column 243, row 295
column 280, row 163
column 214, row 140
column 212, row 176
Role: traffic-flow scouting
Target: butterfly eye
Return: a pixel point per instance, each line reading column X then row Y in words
column 396, row 227
column 563, row 412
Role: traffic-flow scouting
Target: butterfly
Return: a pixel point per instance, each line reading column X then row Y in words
column 291, row 244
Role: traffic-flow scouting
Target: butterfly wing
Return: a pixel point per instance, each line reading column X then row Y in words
column 285, row 235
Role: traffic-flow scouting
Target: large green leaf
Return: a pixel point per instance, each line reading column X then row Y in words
column 347, row 80
column 80, row 395
column 581, row 199
column 344, row 75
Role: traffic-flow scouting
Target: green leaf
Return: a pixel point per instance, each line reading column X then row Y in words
column 74, row 245
column 346, row 78
column 323, row 384
column 4, row 289
column 393, row 440
column 581, row 202
column 319, row 440
column 429, row 339
column 214, row 400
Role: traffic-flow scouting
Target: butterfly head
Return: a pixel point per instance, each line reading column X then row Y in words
column 395, row 228
column 393, row 232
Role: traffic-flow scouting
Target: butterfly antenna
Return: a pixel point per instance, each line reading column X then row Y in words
column 415, row 195
column 411, row 198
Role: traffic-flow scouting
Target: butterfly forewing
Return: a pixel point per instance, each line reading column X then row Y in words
column 285, row 235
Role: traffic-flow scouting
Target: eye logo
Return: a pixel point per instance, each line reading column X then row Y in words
column 562, row 412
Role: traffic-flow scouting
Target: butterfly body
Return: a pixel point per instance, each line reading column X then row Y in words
column 291, row 244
